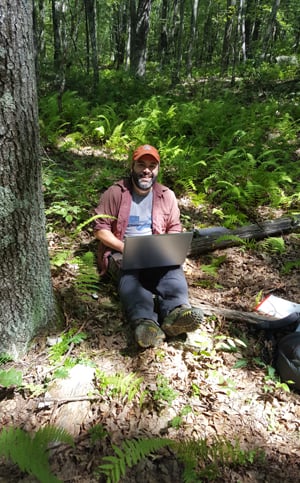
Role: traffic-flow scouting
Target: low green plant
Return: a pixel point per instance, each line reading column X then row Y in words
column 212, row 268
column 30, row 452
column 11, row 377
column 164, row 393
column 177, row 421
column 289, row 266
column 272, row 382
column 4, row 358
column 128, row 455
column 97, row 433
column 87, row 278
column 60, row 257
column 273, row 245
column 199, row 458
column 67, row 339
column 66, row 211
column 128, row 386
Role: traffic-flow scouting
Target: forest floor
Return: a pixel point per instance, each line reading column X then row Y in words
column 194, row 388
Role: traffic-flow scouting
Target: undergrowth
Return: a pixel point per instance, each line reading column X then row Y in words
column 221, row 150
column 202, row 461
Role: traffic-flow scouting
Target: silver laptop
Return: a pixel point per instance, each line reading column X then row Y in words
column 151, row 251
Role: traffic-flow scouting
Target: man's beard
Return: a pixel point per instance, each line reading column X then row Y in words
column 143, row 185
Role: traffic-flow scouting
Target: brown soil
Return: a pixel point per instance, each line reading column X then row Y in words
column 223, row 401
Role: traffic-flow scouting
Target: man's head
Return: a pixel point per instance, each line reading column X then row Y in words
column 145, row 167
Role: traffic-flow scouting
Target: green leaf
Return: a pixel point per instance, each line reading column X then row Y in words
column 11, row 377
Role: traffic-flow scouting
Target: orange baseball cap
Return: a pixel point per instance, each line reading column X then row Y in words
column 146, row 149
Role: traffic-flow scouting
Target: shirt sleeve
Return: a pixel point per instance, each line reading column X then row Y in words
column 108, row 208
column 174, row 224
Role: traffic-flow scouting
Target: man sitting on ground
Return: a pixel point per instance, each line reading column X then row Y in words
column 139, row 205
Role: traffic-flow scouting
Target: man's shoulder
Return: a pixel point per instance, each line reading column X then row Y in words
column 120, row 185
column 162, row 189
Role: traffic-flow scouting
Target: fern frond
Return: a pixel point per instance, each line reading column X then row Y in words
column 30, row 452
column 130, row 453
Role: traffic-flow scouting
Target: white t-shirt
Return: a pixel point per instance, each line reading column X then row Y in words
column 140, row 217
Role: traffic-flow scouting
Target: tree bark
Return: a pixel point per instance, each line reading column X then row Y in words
column 257, row 320
column 193, row 36
column 140, row 24
column 214, row 238
column 91, row 24
column 27, row 302
column 270, row 29
column 229, row 34
column 60, row 46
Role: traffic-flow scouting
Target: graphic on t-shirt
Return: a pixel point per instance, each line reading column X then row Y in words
column 138, row 223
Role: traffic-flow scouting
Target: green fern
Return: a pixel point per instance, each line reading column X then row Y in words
column 125, row 385
column 273, row 245
column 30, row 452
column 199, row 458
column 290, row 265
column 87, row 280
column 130, row 453
column 58, row 350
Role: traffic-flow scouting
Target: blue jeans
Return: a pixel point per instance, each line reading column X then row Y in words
column 137, row 287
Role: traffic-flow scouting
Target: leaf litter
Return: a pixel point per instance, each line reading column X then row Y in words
column 218, row 383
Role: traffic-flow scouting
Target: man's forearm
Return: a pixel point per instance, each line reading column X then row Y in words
column 109, row 240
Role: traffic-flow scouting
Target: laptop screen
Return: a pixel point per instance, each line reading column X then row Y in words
column 151, row 251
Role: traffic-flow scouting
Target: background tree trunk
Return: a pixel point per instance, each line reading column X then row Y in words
column 60, row 47
column 193, row 36
column 26, row 297
column 271, row 29
column 228, row 44
column 140, row 23
column 91, row 16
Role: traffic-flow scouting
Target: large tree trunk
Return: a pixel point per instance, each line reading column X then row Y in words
column 27, row 301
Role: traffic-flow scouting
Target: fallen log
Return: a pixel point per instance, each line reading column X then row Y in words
column 209, row 239
column 253, row 318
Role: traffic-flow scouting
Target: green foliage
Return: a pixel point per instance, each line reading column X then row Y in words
column 272, row 381
column 87, row 279
column 130, row 453
column 219, row 149
column 212, row 268
column 199, row 458
column 4, row 358
column 11, row 377
column 55, row 122
column 63, row 209
column 204, row 460
column 97, row 433
column 128, row 386
column 164, row 393
column 273, row 245
column 290, row 265
column 58, row 350
column 29, row 452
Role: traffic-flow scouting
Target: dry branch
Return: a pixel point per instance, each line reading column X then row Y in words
column 253, row 318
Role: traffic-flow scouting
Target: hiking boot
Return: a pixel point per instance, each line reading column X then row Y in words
column 148, row 333
column 182, row 319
